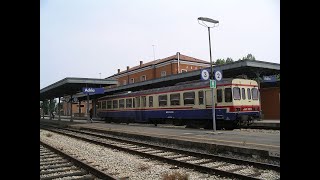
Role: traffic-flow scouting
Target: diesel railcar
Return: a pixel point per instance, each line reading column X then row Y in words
column 188, row 103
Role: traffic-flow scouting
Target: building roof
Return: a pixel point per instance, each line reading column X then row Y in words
column 158, row 61
column 72, row 85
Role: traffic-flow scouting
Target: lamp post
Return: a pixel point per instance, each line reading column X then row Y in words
column 201, row 21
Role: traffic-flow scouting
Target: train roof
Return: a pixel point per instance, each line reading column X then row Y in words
column 181, row 86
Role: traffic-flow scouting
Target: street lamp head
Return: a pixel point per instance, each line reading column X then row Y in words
column 208, row 20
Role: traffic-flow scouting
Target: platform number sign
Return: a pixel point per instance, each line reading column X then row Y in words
column 204, row 74
column 218, row 75
column 213, row 84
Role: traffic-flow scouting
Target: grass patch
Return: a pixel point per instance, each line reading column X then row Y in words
column 175, row 176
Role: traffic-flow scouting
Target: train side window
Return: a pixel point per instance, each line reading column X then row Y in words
column 227, row 95
column 200, row 93
column 104, row 104
column 138, row 101
column 219, row 95
column 249, row 93
column 109, row 104
column 163, row 100
column 121, row 103
column 115, row 104
column 175, row 99
column 236, row 93
column 254, row 93
column 99, row 105
column 243, row 93
column 188, row 98
column 144, row 101
column 150, row 101
column 129, row 103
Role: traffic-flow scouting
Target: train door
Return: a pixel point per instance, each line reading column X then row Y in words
column 138, row 111
column 201, row 99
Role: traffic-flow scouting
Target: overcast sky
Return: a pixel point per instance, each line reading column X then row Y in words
column 82, row 38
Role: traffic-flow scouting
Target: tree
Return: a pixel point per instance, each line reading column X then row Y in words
column 248, row 57
column 220, row 61
column 229, row 60
column 45, row 105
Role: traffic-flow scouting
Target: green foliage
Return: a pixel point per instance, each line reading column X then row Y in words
column 248, row 57
column 45, row 105
column 220, row 61
column 223, row 61
column 229, row 60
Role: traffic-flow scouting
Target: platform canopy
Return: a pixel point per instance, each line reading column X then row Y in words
column 249, row 68
column 70, row 86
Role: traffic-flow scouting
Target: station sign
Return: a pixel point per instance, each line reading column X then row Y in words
column 218, row 75
column 204, row 74
column 213, row 84
column 91, row 91
column 269, row 78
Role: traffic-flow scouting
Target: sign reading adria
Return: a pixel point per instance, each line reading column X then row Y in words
column 88, row 90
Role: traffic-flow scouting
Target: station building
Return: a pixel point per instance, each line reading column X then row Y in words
column 175, row 64
column 180, row 64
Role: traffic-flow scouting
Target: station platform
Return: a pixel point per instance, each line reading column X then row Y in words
column 244, row 142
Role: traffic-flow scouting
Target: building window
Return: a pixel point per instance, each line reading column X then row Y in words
column 143, row 78
column 131, row 80
column 219, row 95
column 124, row 82
column 227, row 95
column 162, row 100
column 188, row 98
column 150, row 101
column 200, row 93
column 175, row 99
column 190, row 67
column 183, row 70
column 163, row 73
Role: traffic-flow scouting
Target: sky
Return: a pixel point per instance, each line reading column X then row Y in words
column 94, row 38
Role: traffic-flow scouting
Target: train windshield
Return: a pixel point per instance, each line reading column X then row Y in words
column 254, row 93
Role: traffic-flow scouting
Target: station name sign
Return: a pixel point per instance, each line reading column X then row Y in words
column 88, row 90
column 270, row 78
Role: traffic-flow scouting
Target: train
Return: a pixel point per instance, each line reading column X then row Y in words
column 236, row 104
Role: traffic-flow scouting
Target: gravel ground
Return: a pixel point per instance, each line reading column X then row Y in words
column 228, row 154
column 119, row 163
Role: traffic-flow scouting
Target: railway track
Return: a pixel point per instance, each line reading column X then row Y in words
column 206, row 163
column 55, row 164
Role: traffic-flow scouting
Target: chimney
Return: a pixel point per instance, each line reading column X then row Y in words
column 128, row 68
column 118, row 71
column 141, row 62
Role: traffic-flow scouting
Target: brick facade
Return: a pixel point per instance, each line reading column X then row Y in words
column 270, row 102
column 167, row 66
